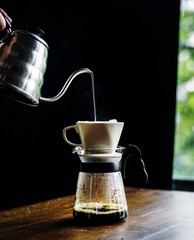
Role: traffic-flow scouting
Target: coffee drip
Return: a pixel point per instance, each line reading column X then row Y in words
column 100, row 195
column 96, row 136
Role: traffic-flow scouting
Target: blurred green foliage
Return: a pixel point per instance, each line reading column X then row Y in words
column 184, row 132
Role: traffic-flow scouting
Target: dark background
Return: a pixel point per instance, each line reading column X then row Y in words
column 132, row 49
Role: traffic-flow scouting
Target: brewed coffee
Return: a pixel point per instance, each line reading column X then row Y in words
column 94, row 213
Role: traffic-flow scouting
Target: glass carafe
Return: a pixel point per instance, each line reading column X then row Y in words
column 100, row 195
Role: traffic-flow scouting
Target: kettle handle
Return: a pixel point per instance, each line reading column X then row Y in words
column 66, row 85
column 131, row 151
column 8, row 25
column 8, row 30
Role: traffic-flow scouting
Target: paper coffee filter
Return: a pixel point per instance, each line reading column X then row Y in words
column 111, row 121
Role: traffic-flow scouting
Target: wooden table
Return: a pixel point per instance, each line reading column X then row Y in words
column 153, row 214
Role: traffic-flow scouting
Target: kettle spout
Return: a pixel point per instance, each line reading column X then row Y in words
column 66, row 85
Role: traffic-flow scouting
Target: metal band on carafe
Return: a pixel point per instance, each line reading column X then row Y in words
column 100, row 167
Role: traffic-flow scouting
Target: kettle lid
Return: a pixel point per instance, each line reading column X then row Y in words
column 33, row 32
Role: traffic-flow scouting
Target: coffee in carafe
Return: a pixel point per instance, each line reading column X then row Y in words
column 105, row 214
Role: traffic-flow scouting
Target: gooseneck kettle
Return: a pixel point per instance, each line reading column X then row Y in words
column 23, row 61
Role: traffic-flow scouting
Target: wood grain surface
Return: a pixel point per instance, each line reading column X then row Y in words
column 153, row 214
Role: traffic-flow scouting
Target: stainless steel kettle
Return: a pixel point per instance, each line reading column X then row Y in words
column 23, row 61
